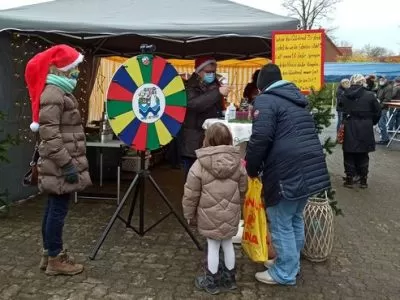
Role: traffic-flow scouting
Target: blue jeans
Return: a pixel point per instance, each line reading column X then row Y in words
column 53, row 223
column 382, row 126
column 339, row 120
column 287, row 233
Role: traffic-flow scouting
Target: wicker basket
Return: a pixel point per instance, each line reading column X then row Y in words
column 319, row 229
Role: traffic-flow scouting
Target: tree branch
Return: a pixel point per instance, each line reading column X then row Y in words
column 310, row 11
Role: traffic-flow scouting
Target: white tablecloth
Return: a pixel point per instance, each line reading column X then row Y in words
column 241, row 132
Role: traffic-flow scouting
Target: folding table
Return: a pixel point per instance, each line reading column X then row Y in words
column 396, row 106
column 101, row 145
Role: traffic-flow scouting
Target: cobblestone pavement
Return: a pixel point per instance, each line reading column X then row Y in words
column 365, row 263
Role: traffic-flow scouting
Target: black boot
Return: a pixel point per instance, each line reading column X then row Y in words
column 228, row 279
column 363, row 183
column 208, row 282
column 348, row 182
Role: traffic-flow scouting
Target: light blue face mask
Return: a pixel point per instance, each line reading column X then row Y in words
column 209, row 78
column 74, row 74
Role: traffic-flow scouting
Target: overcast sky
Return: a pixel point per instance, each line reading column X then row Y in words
column 359, row 21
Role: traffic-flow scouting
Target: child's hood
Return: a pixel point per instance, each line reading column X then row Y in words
column 221, row 161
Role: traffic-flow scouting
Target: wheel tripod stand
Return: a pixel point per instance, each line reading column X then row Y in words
column 140, row 183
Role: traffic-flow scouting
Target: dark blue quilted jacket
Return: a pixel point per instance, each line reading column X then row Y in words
column 285, row 147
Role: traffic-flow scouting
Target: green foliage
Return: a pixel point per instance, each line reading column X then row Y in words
column 320, row 106
column 330, row 194
column 318, row 101
column 5, row 144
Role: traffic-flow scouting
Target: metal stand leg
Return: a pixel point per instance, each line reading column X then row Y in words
column 140, row 182
column 141, row 206
column 172, row 210
column 132, row 209
column 118, row 183
column 393, row 138
column 113, row 218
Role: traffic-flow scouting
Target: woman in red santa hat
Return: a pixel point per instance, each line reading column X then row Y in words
column 51, row 77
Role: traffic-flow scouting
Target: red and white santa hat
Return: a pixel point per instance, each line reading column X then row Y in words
column 63, row 57
column 201, row 62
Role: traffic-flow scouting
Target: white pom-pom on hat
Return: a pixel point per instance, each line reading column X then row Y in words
column 34, row 126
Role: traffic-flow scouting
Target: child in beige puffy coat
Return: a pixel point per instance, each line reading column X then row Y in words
column 214, row 188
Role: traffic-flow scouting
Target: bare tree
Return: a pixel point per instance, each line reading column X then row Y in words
column 345, row 44
column 310, row 12
column 376, row 51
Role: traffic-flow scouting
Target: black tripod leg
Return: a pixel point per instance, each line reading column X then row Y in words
column 142, row 183
column 133, row 204
column 113, row 218
column 180, row 219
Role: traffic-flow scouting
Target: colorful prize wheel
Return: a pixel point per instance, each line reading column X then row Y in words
column 146, row 102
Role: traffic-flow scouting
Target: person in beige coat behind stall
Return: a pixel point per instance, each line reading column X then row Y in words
column 51, row 77
column 213, row 193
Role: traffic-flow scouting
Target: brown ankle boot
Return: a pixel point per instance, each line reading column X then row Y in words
column 63, row 265
column 44, row 260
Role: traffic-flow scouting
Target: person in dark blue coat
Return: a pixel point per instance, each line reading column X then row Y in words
column 285, row 149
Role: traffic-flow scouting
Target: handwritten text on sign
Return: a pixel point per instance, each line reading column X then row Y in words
column 300, row 58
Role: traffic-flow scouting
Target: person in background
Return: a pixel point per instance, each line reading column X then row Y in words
column 344, row 84
column 51, row 77
column 205, row 101
column 285, row 148
column 371, row 83
column 395, row 120
column 361, row 111
column 212, row 199
column 251, row 91
column 384, row 94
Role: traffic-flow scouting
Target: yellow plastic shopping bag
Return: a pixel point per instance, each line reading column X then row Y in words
column 254, row 240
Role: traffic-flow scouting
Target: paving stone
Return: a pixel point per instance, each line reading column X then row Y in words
column 57, row 297
column 364, row 263
column 99, row 292
column 10, row 292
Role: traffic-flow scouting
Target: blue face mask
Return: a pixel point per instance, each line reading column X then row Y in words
column 209, row 77
column 74, row 74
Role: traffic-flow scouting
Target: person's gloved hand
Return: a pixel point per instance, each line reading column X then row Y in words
column 70, row 173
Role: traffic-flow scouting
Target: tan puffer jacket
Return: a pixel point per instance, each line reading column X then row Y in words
column 62, row 141
column 214, row 188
